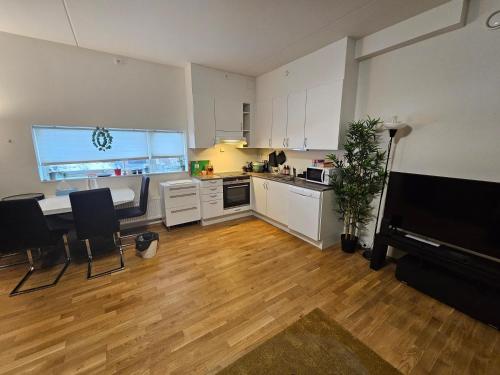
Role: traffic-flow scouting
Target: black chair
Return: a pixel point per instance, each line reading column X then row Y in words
column 95, row 216
column 23, row 227
column 128, row 213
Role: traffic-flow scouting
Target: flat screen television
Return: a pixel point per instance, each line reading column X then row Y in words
column 462, row 213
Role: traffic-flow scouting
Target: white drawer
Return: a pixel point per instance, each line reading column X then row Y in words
column 211, row 209
column 211, row 197
column 211, row 190
column 180, row 215
column 182, row 198
column 208, row 183
column 175, row 190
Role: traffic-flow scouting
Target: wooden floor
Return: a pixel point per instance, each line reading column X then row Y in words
column 214, row 293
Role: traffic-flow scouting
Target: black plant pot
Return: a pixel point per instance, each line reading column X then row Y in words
column 349, row 245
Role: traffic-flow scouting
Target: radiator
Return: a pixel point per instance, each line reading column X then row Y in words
column 153, row 213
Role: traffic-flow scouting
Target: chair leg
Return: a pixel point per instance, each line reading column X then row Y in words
column 16, row 291
column 118, row 243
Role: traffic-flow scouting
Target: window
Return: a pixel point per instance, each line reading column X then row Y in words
column 68, row 152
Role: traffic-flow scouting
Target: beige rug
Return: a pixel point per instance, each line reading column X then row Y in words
column 312, row 345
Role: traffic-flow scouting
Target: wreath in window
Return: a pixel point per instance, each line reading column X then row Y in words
column 102, row 139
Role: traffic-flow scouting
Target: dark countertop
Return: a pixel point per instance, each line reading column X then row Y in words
column 299, row 182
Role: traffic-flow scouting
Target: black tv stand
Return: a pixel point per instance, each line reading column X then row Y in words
column 465, row 281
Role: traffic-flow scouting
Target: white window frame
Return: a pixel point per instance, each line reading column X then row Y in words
column 149, row 157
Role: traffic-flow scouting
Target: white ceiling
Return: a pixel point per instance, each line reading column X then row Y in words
column 242, row 36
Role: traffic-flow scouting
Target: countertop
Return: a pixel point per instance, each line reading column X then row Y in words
column 299, row 182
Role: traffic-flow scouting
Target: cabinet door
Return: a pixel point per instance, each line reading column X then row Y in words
column 277, row 202
column 296, row 119
column 259, row 195
column 228, row 114
column 261, row 131
column 279, row 122
column 323, row 116
column 204, row 121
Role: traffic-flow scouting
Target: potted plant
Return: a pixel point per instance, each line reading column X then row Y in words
column 359, row 179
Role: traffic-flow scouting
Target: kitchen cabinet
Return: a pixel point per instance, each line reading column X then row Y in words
column 261, row 131
column 204, row 118
column 277, row 204
column 259, row 195
column 228, row 115
column 296, row 119
column 280, row 117
column 320, row 91
column 218, row 105
column 322, row 126
column 180, row 202
column 212, row 204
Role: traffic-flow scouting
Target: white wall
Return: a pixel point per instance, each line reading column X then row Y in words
column 48, row 83
column 448, row 89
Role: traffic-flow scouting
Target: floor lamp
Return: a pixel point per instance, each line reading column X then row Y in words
column 393, row 128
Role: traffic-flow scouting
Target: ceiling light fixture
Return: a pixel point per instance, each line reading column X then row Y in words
column 493, row 21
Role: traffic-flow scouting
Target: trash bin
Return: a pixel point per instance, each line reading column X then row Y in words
column 146, row 244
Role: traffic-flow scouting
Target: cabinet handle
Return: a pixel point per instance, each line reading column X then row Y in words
column 185, row 209
column 213, row 195
column 181, row 188
column 214, row 202
column 269, row 142
column 287, row 141
column 305, row 142
column 284, row 139
column 182, row 195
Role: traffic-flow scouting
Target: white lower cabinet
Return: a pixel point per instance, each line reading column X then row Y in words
column 180, row 202
column 269, row 199
column 277, row 204
column 259, row 195
column 212, row 202
column 308, row 214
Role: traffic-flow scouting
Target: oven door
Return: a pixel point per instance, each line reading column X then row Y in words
column 237, row 194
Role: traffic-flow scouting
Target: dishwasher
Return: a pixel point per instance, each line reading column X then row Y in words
column 304, row 213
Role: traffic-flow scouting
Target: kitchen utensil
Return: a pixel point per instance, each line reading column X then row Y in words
column 272, row 159
column 281, row 158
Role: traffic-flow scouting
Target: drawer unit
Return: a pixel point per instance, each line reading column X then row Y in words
column 177, row 198
column 180, row 201
column 211, row 190
column 212, row 208
column 210, row 183
column 181, row 215
column 211, row 197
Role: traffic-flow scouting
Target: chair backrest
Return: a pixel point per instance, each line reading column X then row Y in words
column 143, row 200
column 94, row 213
column 23, row 226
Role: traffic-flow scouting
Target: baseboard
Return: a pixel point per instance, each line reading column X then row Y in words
column 221, row 219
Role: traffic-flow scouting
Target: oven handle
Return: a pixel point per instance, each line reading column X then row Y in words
column 237, row 186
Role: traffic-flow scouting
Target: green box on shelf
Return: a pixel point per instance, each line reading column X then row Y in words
column 197, row 166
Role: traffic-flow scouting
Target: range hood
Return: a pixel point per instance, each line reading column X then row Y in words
column 231, row 137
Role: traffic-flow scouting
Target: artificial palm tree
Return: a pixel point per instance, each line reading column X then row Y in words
column 359, row 179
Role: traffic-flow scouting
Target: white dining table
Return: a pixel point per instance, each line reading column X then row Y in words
column 60, row 205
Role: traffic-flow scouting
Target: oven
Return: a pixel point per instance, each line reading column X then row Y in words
column 236, row 191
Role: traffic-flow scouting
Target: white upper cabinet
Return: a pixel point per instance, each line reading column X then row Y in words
column 261, row 131
column 278, row 133
column 204, row 118
column 217, row 104
column 228, row 114
column 322, row 128
column 320, row 89
column 296, row 119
